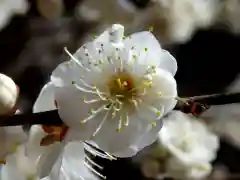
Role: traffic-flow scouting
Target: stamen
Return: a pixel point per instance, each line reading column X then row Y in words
column 92, row 162
column 94, row 113
column 126, row 119
column 155, row 110
column 119, row 124
column 95, row 152
column 75, row 60
column 154, row 123
column 91, row 101
column 94, row 171
column 86, row 90
column 86, row 84
column 103, row 121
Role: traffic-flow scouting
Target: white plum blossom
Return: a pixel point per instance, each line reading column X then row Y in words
column 8, row 8
column 114, row 91
column 182, row 18
column 29, row 160
column 190, row 144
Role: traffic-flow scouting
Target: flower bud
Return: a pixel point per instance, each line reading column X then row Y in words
column 8, row 94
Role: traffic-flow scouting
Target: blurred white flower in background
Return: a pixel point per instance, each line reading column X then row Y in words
column 174, row 21
column 29, row 160
column 8, row 8
column 230, row 15
column 9, row 137
column 185, row 148
column 191, row 145
column 180, row 19
column 114, row 91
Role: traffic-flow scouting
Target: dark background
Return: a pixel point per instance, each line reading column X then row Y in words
column 30, row 47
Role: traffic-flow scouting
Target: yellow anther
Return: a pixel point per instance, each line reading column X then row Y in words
column 119, row 83
column 118, row 129
column 145, row 49
column 150, row 29
column 124, row 37
column 134, row 57
column 154, row 123
column 158, row 113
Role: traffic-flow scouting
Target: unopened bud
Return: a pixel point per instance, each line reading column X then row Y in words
column 8, row 94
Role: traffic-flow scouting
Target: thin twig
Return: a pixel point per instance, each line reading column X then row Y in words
column 51, row 118
column 44, row 118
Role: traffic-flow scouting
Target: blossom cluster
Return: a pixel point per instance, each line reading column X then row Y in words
column 116, row 93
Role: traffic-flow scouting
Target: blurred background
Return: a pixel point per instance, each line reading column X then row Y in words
column 203, row 35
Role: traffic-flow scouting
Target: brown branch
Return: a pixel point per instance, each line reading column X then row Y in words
column 48, row 118
column 51, row 118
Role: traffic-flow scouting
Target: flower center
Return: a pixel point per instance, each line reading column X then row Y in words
column 121, row 86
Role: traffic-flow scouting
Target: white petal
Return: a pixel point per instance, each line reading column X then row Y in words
column 73, row 159
column 71, row 166
column 25, row 164
column 10, row 172
column 199, row 171
column 192, row 143
column 144, row 40
column 65, row 73
column 49, row 158
column 45, row 100
column 163, row 82
column 168, row 62
column 72, row 110
column 10, row 136
column 103, row 38
column 130, row 139
column 143, row 141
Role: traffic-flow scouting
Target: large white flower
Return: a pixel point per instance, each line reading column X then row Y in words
column 191, row 145
column 74, row 164
column 114, row 91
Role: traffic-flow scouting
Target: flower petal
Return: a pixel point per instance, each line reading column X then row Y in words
column 11, row 172
column 168, row 62
column 167, row 87
column 71, row 165
column 45, row 100
column 73, row 110
column 146, row 43
column 10, row 136
column 143, row 141
column 49, row 158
